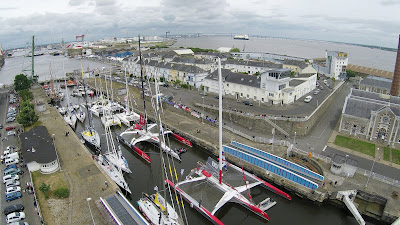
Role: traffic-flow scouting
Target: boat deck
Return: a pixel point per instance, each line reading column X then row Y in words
column 121, row 211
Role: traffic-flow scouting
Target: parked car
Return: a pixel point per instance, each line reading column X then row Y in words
column 13, row 196
column 1, row 126
column 19, row 223
column 10, row 128
column 308, row 98
column 10, row 178
column 15, row 217
column 12, row 171
column 248, row 103
column 10, row 119
column 14, row 189
column 203, row 93
column 10, row 166
column 12, row 183
column 11, row 132
column 316, row 92
column 13, row 208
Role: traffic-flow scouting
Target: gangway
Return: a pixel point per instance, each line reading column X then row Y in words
column 122, row 211
column 348, row 198
column 276, row 127
column 301, row 170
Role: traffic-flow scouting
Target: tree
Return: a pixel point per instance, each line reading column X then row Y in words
column 234, row 50
column 21, row 82
column 351, row 73
column 25, row 95
column 27, row 114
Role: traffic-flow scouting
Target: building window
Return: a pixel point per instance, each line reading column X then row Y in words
column 282, row 86
column 255, row 97
column 362, row 129
column 262, row 99
column 271, row 94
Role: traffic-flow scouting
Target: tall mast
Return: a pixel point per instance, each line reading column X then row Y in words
column 33, row 54
column 127, row 95
column 84, row 89
column 220, row 119
column 142, row 78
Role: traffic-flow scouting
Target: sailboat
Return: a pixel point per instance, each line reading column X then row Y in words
column 209, row 187
column 144, row 132
column 127, row 117
column 108, row 119
column 154, row 207
column 114, row 172
column 81, row 115
column 89, row 134
column 69, row 116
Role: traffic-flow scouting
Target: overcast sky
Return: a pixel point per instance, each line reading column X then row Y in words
column 373, row 22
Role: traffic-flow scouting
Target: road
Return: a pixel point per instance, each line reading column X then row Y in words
column 27, row 199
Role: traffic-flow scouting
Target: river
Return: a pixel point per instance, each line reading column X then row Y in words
column 363, row 56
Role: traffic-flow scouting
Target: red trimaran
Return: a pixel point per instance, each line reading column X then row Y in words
column 144, row 132
column 208, row 187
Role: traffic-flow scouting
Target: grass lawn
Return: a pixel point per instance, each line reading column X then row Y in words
column 355, row 145
column 395, row 155
column 55, row 180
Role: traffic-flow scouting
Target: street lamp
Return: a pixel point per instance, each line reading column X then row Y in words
column 203, row 110
column 294, row 139
column 372, row 168
column 88, row 199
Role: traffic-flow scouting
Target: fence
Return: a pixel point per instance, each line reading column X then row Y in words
column 379, row 177
column 313, row 155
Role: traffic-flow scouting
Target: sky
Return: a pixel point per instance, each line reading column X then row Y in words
column 371, row 22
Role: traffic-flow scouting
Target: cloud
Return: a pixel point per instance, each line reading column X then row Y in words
column 390, row 2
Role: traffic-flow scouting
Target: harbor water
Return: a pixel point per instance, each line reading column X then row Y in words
column 362, row 56
column 146, row 176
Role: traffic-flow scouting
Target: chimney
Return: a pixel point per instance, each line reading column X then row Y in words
column 394, row 91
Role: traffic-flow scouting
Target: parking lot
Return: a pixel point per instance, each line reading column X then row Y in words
column 27, row 197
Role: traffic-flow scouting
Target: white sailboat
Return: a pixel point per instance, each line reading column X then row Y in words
column 89, row 134
column 70, row 118
column 108, row 119
column 81, row 115
column 128, row 117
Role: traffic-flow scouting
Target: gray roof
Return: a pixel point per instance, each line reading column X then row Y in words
column 39, row 139
column 238, row 78
column 298, row 63
column 192, row 60
column 377, row 82
column 361, row 103
column 295, row 82
column 265, row 64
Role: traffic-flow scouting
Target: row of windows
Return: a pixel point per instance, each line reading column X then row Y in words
column 272, row 168
column 276, row 159
column 49, row 164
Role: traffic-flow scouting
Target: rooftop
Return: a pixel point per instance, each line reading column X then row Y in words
column 37, row 145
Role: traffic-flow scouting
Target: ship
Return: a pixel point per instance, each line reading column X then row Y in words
column 241, row 37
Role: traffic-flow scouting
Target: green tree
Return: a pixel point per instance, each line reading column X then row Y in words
column 27, row 114
column 351, row 73
column 234, row 50
column 25, row 95
column 21, row 82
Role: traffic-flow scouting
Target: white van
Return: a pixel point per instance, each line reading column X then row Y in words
column 11, row 161
column 13, row 155
column 6, row 153
column 8, row 178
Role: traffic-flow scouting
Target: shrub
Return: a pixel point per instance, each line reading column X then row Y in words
column 45, row 189
column 61, row 192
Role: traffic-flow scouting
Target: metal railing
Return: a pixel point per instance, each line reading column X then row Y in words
column 379, row 177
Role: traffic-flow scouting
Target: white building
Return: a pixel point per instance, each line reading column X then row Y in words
column 274, row 86
column 38, row 151
column 336, row 63
column 249, row 67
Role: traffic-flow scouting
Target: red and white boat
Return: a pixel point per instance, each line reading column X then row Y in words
column 209, row 187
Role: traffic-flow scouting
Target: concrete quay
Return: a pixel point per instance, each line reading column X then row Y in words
column 86, row 179
column 375, row 201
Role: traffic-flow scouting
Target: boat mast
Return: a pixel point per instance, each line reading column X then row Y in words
column 86, row 106
column 33, row 56
column 127, row 95
column 220, row 119
column 142, row 78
